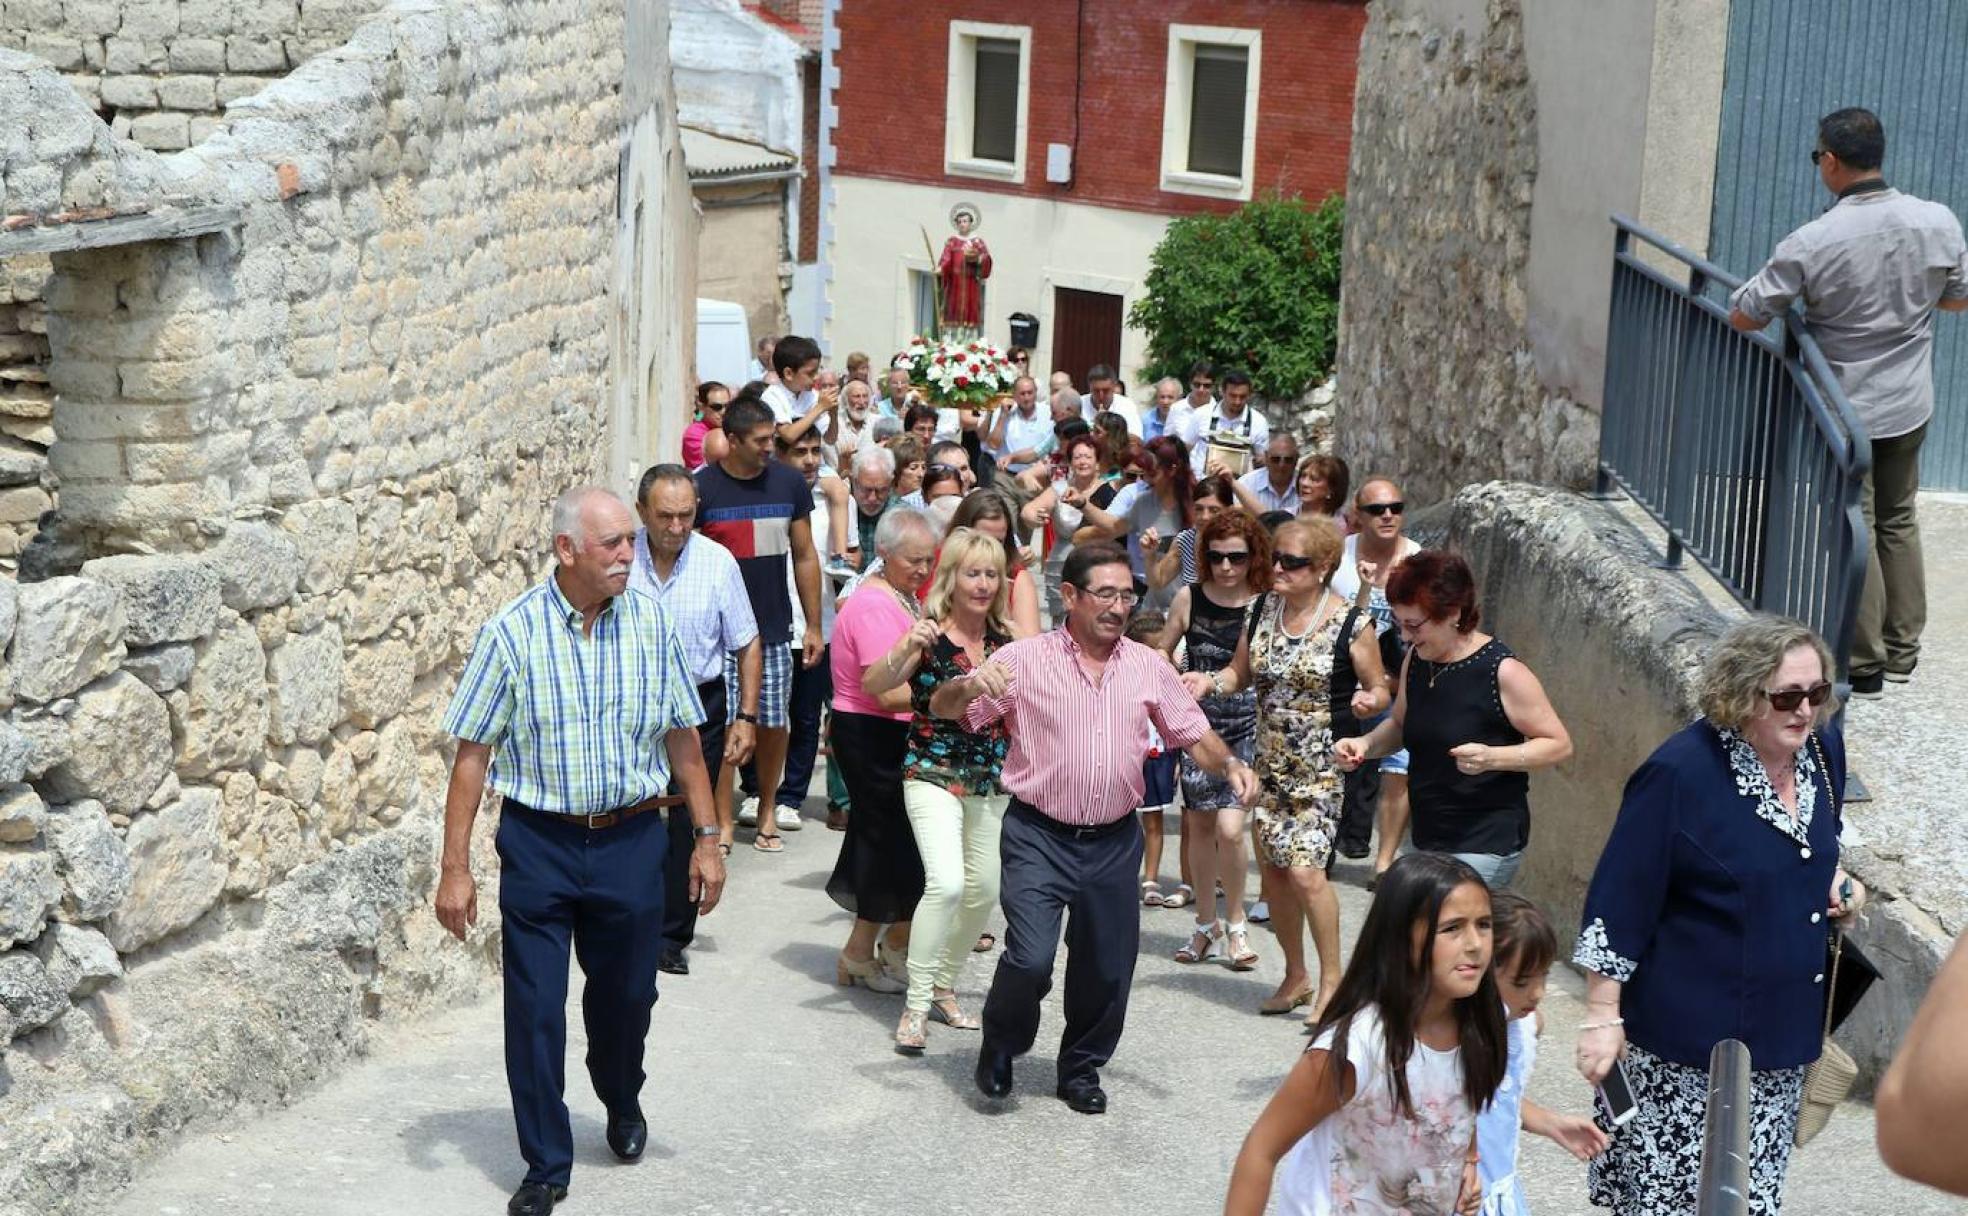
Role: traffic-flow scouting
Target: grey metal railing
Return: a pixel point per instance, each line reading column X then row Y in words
column 1740, row 445
column 1724, row 1187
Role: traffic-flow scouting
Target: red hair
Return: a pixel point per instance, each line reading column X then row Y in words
column 1237, row 522
column 1440, row 584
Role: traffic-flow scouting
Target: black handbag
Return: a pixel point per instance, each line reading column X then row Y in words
column 1853, row 976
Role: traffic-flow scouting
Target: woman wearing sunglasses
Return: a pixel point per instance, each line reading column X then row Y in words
column 1473, row 717
column 1285, row 656
column 1207, row 618
column 1709, row 913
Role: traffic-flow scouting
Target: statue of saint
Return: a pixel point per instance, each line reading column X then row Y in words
column 964, row 266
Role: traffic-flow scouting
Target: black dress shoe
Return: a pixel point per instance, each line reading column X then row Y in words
column 627, row 1135
column 535, row 1199
column 1355, row 850
column 673, row 963
column 1086, row 1097
column 993, row 1073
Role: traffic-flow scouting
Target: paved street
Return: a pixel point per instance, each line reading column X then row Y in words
column 772, row 1091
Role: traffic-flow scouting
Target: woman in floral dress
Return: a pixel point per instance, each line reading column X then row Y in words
column 950, row 778
column 1286, row 655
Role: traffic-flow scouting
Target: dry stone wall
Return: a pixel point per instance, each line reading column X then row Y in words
column 1439, row 382
column 300, row 461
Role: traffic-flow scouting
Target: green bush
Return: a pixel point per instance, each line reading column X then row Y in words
column 1257, row 289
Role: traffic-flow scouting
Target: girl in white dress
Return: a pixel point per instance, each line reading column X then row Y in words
column 1378, row 1117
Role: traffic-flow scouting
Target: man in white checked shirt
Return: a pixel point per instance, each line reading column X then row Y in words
column 578, row 704
column 697, row 582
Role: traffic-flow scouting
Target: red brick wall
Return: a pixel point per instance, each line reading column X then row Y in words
column 894, row 60
column 805, row 248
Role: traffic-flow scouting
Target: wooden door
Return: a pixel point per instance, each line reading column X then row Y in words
column 1086, row 329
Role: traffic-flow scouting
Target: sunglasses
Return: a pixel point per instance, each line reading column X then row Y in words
column 940, row 469
column 1281, row 460
column 1785, row 700
column 1290, row 561
column 1383, row 508
column 1228, row 557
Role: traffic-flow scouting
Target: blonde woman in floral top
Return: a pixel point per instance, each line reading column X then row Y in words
column 1286, row 655
column 950, row 781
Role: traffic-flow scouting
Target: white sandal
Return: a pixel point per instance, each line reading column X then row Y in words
column 1237, row 950
column 1151, row 895
column 1201, row 946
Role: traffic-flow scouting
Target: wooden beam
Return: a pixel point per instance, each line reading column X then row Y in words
column 166, row 223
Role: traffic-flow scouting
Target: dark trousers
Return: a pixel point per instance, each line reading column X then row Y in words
column 812, row 688
column 1360, row 797
column 679, row 910
column 603, row 892
column 1049, row 870
column 1893, row 603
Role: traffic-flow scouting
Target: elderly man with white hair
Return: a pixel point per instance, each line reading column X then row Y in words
column 576, row 707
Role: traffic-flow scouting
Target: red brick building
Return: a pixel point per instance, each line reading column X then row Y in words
column 1078, row 128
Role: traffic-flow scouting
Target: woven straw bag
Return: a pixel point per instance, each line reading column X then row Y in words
column 1828, row 1079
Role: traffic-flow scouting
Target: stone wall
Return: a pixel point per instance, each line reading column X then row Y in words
column 161, row 71
column 1569, row 585
column 301, row 461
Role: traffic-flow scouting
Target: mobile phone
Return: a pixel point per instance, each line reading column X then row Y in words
column 1616, row 1091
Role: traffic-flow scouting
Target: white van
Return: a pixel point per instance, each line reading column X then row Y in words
column 724, row 343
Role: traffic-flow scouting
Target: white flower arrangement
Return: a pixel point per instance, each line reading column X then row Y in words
column 952, row 373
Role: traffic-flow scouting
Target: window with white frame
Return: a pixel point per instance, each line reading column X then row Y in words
column 1209, row 111
column 922, row 301
column 990, row 86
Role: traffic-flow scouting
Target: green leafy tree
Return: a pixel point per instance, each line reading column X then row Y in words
column 1257, row 289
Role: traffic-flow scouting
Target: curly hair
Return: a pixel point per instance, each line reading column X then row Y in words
column 1233, row 523
column 1739, row 669
column 1440, row 584
column 1318, row 537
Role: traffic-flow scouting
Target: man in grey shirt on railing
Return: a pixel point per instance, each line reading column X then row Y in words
column 1870, row 272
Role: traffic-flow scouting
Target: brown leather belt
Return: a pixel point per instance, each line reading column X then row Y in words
column 601, row 819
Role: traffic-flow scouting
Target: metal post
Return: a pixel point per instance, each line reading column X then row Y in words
column 1725, row 1134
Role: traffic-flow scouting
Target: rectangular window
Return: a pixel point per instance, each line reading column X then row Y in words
column 1209, row 111
column 1216, row 110
column 922, row 300
column 987, row 100
column 994, row 133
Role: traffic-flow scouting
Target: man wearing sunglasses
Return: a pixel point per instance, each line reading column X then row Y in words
column 1077, row 703
column 1870, row 272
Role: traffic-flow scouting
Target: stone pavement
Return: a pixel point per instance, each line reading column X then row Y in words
column 1910, row 748
column 773, row 1091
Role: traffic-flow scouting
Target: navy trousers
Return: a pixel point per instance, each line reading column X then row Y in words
column 1088, row 875
column 602, row 892
column 813, row 687
column 679, row 910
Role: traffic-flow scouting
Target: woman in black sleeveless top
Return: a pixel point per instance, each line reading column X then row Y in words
column 1473, row 717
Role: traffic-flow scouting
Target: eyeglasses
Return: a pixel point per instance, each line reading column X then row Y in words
column 1108, row 596
column 1817, row 154
column 1785, row 700
column 1290, row 561
column 1228, row 557
column 1382, row 508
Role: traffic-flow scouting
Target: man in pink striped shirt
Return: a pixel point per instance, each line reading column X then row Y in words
column 1077, row 703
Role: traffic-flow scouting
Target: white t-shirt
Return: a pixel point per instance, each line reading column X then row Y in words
column 818, row 522
column 1369, row 1157
column 787, row 408
column 1346, row 579
column 1198, row 424
column 1119, row 405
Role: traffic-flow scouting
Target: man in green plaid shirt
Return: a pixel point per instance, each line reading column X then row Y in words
column 577, row 704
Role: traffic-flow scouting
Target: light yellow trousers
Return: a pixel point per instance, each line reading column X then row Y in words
column 958, row 840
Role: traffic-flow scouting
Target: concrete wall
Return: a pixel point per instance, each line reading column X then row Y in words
column 1492, row 142
column 1036, row 245
column 740, row 255
column 1619, row 646
column 301, row 461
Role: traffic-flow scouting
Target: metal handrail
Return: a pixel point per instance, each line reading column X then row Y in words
column 1742, row 446
column 1724, row 1188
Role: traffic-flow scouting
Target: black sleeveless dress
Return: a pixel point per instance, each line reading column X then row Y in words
column 1450, row 704
column 1209, row 644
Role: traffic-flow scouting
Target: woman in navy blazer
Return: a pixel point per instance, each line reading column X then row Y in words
column 1708, row 915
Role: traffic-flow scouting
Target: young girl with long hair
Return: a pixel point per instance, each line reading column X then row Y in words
column 1523, row 945
column 1382, row 1107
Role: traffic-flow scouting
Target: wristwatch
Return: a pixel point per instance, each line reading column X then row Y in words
column 742, row 716
column 709, row 829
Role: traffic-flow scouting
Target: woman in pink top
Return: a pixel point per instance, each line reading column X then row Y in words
column 703, row 440
column 879, row 638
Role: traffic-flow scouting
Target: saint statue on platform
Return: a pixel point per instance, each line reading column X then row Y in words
column 964, row 266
